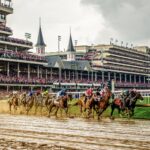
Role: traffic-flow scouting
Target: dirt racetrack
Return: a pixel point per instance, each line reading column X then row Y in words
column 41, row 133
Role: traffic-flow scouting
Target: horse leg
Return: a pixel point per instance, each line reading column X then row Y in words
column 15, row 108
column 66, row 111
column 35, row 109
column 100, row 112
column 56, row 111
column 112, row 111
column 10, row 108
column 89, row 112
column 81, row 110
column 119, row 112
column 41, row 110
column 61, row 111
column 50, row 109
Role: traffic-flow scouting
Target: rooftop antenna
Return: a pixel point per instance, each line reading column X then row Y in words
column 40, row 21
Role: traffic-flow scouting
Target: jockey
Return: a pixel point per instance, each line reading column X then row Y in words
column 61, row 93
column 109, row 84
column 124, row 96
column 38, row 92
column 45, row 92
column 30, row 93
column 15, row 93
column 88, row 94
column 100, row 87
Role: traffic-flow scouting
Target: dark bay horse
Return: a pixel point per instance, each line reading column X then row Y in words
column 101, row 106
column 61, row 103
column 30, row 103
column 130, row 104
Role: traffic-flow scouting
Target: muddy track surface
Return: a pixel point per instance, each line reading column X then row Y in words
column 41, row 133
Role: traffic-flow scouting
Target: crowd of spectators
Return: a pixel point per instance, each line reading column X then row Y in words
column 23, row 79
column 21, row 55
column 128, row 84
column 15, row 40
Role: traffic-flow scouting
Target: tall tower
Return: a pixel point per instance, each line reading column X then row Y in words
column 40, row 46
column 71, row 53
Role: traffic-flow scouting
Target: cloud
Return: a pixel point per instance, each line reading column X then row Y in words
column 128, row 18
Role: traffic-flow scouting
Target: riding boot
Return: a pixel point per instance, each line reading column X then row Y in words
column 85, row 100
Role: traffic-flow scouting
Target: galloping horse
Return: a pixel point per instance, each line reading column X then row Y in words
column 61, row 103
column 14, row 101
column 38, row 102
column 30, row 102
column 87, row 106
column 102, row 105
column 23, row 98
column 130, row 103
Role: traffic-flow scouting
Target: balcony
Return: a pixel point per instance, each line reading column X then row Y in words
column 5, row 8
column 5, row 30
column 16, row 42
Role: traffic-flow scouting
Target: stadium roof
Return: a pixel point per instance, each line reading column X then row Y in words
column 57, row 62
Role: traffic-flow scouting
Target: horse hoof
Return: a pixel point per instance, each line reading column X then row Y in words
column 111, row 118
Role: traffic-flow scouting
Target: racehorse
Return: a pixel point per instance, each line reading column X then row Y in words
column 23, row 98
column 101, row 105
column 38, row 102
column 86, row 106
column 130, row 104
column 14, row 101
column 30, row 102
column 61, row 103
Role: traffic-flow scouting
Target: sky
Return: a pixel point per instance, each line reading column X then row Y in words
column 91, row 21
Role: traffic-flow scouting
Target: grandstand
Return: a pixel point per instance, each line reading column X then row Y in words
column 76, row 69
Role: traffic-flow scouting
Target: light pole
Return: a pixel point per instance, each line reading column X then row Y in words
column 59, row 39
column 111, row 41
column 148, row 67
column 121, row 43
column 116, row 41
column 126, row 45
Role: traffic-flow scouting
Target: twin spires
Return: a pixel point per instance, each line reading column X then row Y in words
column 40, row 45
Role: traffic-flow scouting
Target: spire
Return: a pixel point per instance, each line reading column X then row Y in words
column 70, row 45
column 40, row 40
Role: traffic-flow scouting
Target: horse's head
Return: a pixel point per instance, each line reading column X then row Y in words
column 108, row 93
column 69, row 97
column 139, row 96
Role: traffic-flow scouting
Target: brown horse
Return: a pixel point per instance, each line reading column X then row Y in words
column 23, row 98
column 88, row 105
column 61, row 103
column 14, row 101
column 38, row 102
column 30, row 103
column 101, row 106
